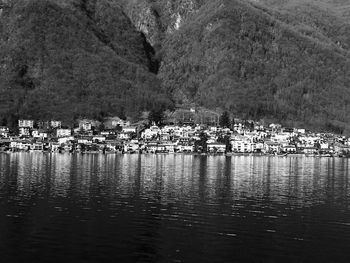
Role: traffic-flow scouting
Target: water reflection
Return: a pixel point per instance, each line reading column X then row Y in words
column 163, row 208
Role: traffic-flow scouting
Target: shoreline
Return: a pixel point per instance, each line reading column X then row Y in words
column 181, row 153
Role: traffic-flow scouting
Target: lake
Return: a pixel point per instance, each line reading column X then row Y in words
column 173, row 208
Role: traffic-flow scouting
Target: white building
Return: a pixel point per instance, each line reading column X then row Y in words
column 85, row 125
column 99, row 138
column 24, row 131
column 243, row 146
column 39, row 134
column 130, row 129
column 113, row 122
column 152, row 131
column 64, row 140
column 55, row 124
column 63, row 132
column 25, row 123
column 4, row 131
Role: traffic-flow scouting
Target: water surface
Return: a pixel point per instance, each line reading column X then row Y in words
column 173, row 208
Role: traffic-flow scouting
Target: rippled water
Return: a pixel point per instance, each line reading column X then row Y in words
column 173, row 208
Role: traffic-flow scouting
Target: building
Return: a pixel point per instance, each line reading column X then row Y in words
column 341, row 148
column 272, row 147
column 39, row 134
column 289, row 149
column 85, row 125
column 25, row 124
column 151, row 133
column 43, row 125
column 216, row 147
column 63, row 133
column 130, row 129
column 243, row 146
column 24, row 131
column 99, row 138
column 55, row 124
column 113, row 122
column 4, row 131
column 310, row 150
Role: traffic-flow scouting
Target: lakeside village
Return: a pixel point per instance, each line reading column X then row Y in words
column 115, row 135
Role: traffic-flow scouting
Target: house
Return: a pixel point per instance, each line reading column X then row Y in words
column 66, row 139
column 112, row 145
column 216, row 147
column 54, row 146
column 188, row 148
column 155, row 147
column 152, row 147
column 310, row 150
column 243, row 146
column 129, row 129
column 99, row 138
column 37, row 146
column 63, row 132
column 124, row 136
column 170, row 147
column 113, row 122
column 25, row 124
column 4, row 131
column 289, row 149
column 40, row 134
column 85, row 125
column 43, row 125
column 272, row 147
column 21, row 145
column 341, row 148
column 84, row 139
column 24, row 131
column 55, row 124
column 132, row 146
column 150, row 133
column 275, row 127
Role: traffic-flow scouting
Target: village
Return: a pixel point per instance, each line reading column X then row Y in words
column 115, row 135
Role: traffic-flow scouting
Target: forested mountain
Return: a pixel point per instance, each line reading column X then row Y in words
column 285, row 60
column 320, row 19
column 70, row 59
column 246, row 58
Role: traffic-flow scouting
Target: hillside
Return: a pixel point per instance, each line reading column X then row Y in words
column 242, row 58
column 326, row 20
column 159, row 18
column 285, row 60
column 70, row 59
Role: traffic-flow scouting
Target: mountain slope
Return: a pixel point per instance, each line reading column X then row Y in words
column 280, row 60
column 65, row 60
column 243, row 59
column 320, row 19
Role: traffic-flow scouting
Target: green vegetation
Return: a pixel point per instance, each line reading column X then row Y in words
column 325, row 20
column 224, row 120
column 277, row 60
column 65, row 62
column 243, row 59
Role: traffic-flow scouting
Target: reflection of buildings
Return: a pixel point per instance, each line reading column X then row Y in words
column 174, row 178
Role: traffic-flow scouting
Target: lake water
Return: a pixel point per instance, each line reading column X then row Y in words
column 173, row 208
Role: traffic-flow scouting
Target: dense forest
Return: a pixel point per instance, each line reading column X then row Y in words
column 69, row 61
column 286, row 61
column 242, row 58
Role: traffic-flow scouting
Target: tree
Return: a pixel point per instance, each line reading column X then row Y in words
column 156, row 116
column 201, row 144
column 224, row 120
column 226, row 140
column 3, row 122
